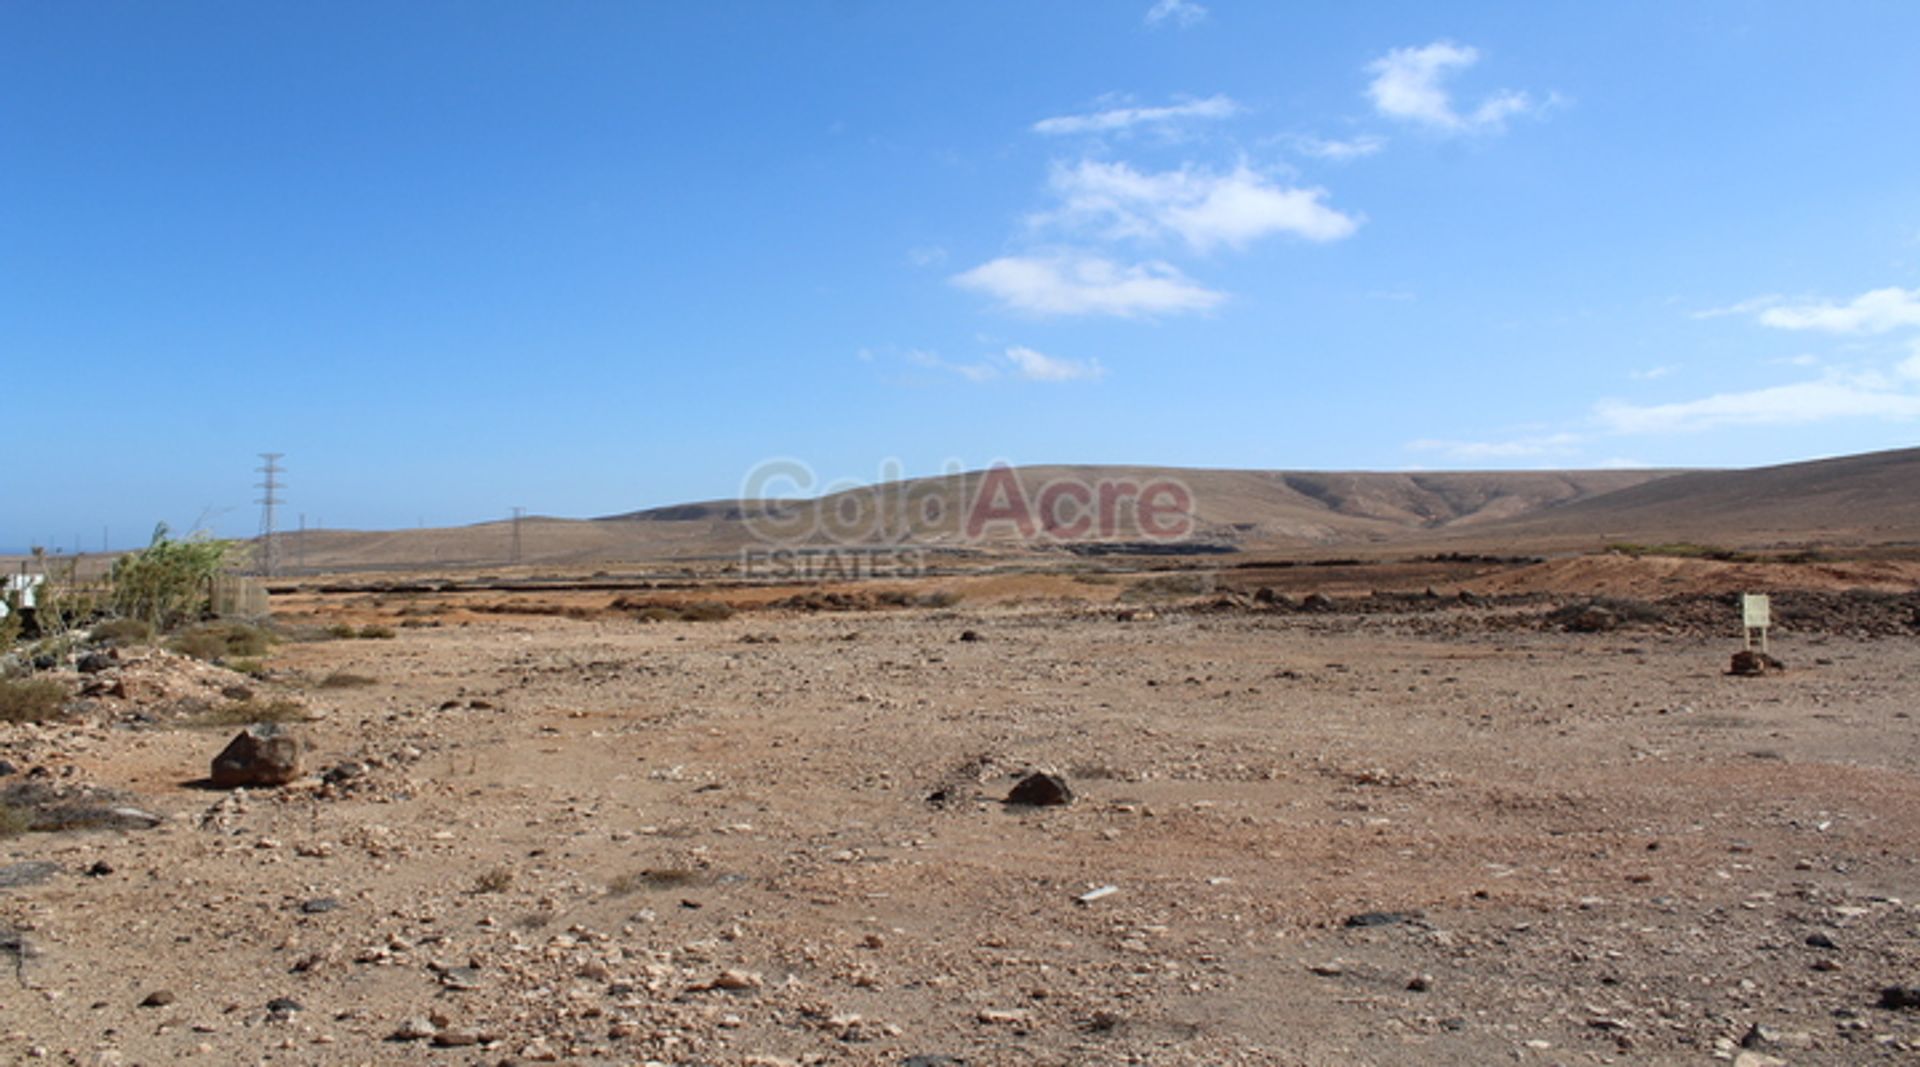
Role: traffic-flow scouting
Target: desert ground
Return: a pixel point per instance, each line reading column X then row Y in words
column 1385, row 829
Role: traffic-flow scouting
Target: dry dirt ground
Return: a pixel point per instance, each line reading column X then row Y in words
column 780, row 839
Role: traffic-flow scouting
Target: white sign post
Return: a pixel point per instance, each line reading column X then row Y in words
column 1757, row 614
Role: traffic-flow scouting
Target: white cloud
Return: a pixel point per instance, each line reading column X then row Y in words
column 1081, row 284
column 1653, row 374
column 1877, row 311
column 1120, row 118
column 1183, row 12
column 1408, row 85
column 1201, row 208
column 1040, row 367
column 1744, row 307
column 1910, row 367
column 1518, row 448
column 926, row 255
column 1340, row 151
column 1795, row 403
column 973, row 372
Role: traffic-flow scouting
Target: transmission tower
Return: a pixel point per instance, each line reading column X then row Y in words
column 269, row 486
column 518, row 512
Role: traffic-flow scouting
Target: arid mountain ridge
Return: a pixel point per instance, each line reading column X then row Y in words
column 1869, row 499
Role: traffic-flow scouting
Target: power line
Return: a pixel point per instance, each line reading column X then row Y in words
column 269, row 486
column 518, row 512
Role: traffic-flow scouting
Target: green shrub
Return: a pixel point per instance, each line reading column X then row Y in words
column 376, row 633
column 30, row 699
column 169, row 581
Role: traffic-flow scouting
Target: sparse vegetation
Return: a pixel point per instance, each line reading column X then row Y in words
column 30, row 699
column 652, row 878
column 1169, row 586
column 346, row 680
column 169, row 581
column 252, row 710
column 13, row 821
column 222, row 641
column 374, row 632
column 497, row 880
column 1684, row 550
column 122, row 632
column 669, row 611
column 342, row 631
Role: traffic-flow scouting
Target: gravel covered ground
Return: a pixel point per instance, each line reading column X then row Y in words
column 780, row 838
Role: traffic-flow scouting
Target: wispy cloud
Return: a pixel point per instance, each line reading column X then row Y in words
column 1877, row 311
column 1201, row 208
column 1017, row 361
column 1040, row 367
column 1744, row 307
column 1408, row 84
column 926, row 255
column 1340, row 151
column 1653, row 374
column 973, row 372
column 1557, row 444
column 1178, row 12
column 1120, row 118
column 1795, row 403
column 1082, row 284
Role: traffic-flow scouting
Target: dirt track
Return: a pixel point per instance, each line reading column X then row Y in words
column 1589, row 848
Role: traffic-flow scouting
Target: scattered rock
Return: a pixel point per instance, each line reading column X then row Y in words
column 284, row 1006
column 1748, row 663
column 159, row 998
column 932, row 1059
column 1318, row 602
column 1895, row 997
column 414, row 1028
column 971, row 635
column 1820, row 940
column 1381, row 918
column 95, row 662
column 318, row 905
column 257, row 756
column 457, row 1037
column 1420, row 983
column 1041, row 790
column 99, row 869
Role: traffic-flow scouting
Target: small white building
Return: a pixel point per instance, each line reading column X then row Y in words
column 20, row 587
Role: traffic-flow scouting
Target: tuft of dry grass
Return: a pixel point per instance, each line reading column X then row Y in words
column 30, row 699
column 346, row 680
column 652, row 878
column 253, row 710
column 497, row 880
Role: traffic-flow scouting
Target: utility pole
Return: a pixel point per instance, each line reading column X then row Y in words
column 269, row 486
column 518, row 512
column 300, row 546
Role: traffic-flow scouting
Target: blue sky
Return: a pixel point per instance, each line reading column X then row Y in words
column 586, row 257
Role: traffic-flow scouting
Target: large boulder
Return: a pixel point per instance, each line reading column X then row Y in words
column 257, row 756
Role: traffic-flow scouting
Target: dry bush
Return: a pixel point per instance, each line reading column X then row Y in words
column 346, row 680
column 30, row 699
column 497, row 880
column 122, row 632
column 652, row 878
column 253, row 710
column 376, row 633
column 222, row 640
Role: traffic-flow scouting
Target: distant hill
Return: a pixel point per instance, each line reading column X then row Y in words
column 1867, row 499
column 1872, row 498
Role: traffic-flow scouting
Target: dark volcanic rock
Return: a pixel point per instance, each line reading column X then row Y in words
column 257, row 756
column 1041, row 791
